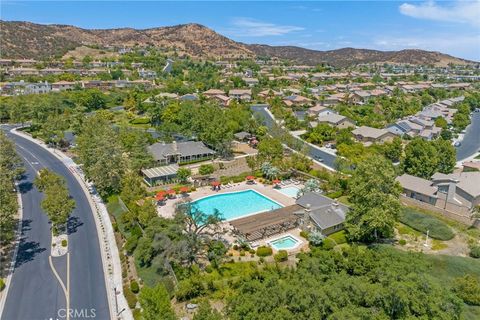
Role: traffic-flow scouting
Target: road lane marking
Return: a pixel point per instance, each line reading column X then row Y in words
column 67, row 298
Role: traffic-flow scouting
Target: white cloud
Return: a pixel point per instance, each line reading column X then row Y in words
column 247, row 27
column 458, row 45
column 459, row 11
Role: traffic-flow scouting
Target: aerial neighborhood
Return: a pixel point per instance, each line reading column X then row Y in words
column 179, row 174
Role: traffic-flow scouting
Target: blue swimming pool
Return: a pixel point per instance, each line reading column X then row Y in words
column 235, row 205
column 290, row 191
column 285, row 243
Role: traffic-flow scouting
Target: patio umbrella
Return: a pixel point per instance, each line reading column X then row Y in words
column 215, row 183
column 276, row 181
column 184, row 189
column 161, row 193
column 250, row 178
column 159, row 197
column 171, row 192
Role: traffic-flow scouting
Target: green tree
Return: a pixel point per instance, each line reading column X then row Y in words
column 183, row 174
column 10, row 169
column 421, row 158
column 57, row 202
column 270, row 149
column 375, row 204
column 101, row 154
column 446, row 156
column 155, row 303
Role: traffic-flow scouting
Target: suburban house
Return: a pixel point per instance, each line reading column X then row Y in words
column 213, row 92
column 269, row 92
column 336, row 120
column 334, row 99
column 319, row 110
column 296, row 100
column 251, row 82
column 180, row 152
column 147, row 74
column 320, row 213
column 240, row 94
column 456, row 192
column 370, row 135
column 63, row 85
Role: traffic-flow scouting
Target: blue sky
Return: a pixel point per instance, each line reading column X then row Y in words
column 448, row 26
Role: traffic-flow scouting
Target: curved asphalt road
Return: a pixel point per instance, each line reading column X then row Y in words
column 471, row 142
column 34, row 291
column 314, row 152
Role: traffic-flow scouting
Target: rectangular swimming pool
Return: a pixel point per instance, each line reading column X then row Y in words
column 290, row 191
column 285, row 243
column 234, row 205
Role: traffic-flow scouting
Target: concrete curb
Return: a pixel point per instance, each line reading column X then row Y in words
column 4, row 294
column 108, row 247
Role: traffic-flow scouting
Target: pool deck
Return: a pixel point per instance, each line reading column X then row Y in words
column 168, row 209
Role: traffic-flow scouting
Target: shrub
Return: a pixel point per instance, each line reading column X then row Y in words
column 334, row 195
column 206, row 169
column 252, row 251
column 422, row 222
column 264, row 251
column 2, row 284
column 64, row 243
column 134, row 286
column 131, row 298
column 468, row 289
column 140, row 121
column 328, row 244
column 282, row 255
column 304, row 234
column 242, row 253
column 475, row 252
column 189, row 289
column 317, row 238
column 209, row 269
column 402, row 242
column 137, row 314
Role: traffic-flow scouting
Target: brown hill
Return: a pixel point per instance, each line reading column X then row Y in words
column 30, row 40
column 350, row 56
column 37, row 41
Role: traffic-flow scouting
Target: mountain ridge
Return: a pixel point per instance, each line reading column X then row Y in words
column 20, row 39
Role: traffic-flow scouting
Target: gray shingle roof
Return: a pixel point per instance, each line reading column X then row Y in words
column 189, row 148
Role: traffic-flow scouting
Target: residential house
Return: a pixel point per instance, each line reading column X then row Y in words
column 251, row 82
column 37, row 88
column 63, row 85
column 319, row 110
column 147, row 74
column 180, row 152
column 336, row 120
column 320, row 213
column 369, row 135
column 296, row 100
column 240, row 94
column 213, row 92
column 456, row 192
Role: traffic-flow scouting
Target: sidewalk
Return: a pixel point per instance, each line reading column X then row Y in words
column 106, row 237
